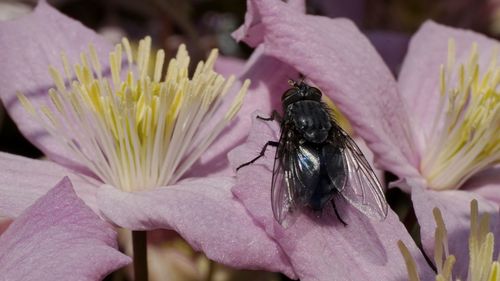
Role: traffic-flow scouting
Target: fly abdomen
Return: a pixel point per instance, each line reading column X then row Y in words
column 310, row 119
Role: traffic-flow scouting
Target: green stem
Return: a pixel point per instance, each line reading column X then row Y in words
column 139, row 239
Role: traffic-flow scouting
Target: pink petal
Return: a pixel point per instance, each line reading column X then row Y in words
column 24, row 180
column 252, row 29
column 320, row 248
column 229, row 66
column 204, row 212
column 419, row 77
column 29, row 45
column 486, row 184
column 268, row 76
column 455, row 208
column 341, row 61
column 58, row 238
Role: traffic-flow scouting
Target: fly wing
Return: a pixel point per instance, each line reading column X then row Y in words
column 295, row 168
column 362, row 188
column 282, row 199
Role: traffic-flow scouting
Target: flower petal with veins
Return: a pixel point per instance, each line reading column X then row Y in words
column 59, row 237
column 205, row 213
column 51, row 32
column 24, row 180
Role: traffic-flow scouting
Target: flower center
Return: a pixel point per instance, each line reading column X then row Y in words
column 133, row 130
column 482, row 267
column 464, row 138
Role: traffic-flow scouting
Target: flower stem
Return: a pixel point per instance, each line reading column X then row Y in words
column 211, row 269
column 140, row 255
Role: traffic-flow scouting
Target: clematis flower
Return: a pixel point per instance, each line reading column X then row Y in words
column 80, row 122
column 482, row 265
column 405, row 124
column 59, row 229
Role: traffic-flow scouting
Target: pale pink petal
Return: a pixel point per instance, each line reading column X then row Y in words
column 268, row 76
column 341, row 61
column 23, row 180
column 252, row 29
column 29, row 45
column 205, row 213
column 59, row 238
column 486, row 184
column 419, row 77
column 320, row 248
column 455, row 208
column 227, row 66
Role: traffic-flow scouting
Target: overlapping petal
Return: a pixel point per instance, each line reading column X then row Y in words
column 58, row 238
column 321, row 248
column 341, row 61
column 24, row 180
column 205, row 213
column 47, row 33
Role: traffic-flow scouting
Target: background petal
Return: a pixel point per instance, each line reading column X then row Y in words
column 419, row 77
column 58, row 238
column 455, row 208
column 320, row 248
column 205, row 213
column 44, row 34
column 341, row 61
column 23, row 180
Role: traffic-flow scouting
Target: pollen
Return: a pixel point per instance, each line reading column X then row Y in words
column 137, row 125
column 482, row 266
column 464, row 138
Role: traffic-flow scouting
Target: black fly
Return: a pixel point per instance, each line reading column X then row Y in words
column 316, row 162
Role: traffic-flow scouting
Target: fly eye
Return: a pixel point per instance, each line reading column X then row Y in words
column 314, row 93
column 288, row 94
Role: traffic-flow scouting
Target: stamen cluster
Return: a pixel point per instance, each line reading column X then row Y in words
column 465, row 136
column 134, row 130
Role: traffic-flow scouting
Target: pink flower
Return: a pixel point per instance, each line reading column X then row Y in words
column 202, row 210
column 403, row 122
column 57, row 237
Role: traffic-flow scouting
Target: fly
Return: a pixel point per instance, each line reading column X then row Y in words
column 316, row 162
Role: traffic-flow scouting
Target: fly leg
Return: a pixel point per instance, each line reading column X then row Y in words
column 262, row 153
column 337, row 214
column 274, row 116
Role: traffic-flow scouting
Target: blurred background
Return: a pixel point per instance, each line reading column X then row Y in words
column 207, row 24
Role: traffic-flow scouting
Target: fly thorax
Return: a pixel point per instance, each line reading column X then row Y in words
column 465, row 136
column 139, row 128
column 311, row 120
